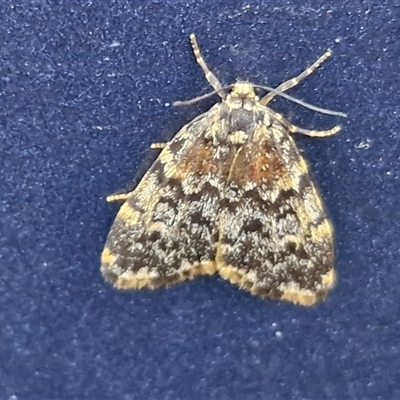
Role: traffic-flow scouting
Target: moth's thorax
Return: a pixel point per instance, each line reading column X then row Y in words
column 238, row 116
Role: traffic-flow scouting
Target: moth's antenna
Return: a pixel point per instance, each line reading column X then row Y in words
column 269, row 89
column 212, row 79
column 297, row 79
column 195, row 100
column 301, row 102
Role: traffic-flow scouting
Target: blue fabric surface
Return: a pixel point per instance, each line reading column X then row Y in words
column 85, row 87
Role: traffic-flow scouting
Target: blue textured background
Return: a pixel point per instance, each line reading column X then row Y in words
column 85, row 87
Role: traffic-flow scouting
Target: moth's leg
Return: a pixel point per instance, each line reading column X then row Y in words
column 296, row 129
column 123, row 196
column 211, row 78
column 159, row 146
column 117, row 197
column 294, row 81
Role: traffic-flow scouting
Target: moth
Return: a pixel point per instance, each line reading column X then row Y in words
column 229, row 194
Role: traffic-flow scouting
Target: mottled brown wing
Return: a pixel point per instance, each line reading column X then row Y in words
column 166, row 231
column 275, row 239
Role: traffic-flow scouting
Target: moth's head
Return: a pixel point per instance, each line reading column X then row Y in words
column 243, row 90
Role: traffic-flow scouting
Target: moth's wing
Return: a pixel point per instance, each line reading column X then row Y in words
column 275, row 238
column 166, row 231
